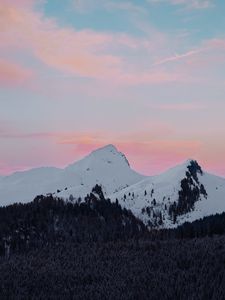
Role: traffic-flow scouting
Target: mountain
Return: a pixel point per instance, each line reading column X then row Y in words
column 183, row 193
column 106, row 166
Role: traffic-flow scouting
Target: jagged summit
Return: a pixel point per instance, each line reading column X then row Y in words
column 188, row 162
column 194, row 163
column 189, row 165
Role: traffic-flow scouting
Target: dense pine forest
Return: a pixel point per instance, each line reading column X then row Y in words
column 48, row 220
column 52, row 249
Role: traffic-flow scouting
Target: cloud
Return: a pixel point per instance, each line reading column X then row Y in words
column 12, row 74
column 177, row 57
column 147, row 77
column 21, row 3
column 78, row 52
column 127, row 6
column 114, row 57
column 215, row 44
column 84, row 53
column 191, row 4
column 84, row 6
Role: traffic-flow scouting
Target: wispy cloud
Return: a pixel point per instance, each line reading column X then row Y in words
column 84, row 6
column 192, row 4
column 177, row 57
column 127, row 6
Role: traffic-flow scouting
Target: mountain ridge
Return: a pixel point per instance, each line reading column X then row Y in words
column 106, row 165
column 184, row 192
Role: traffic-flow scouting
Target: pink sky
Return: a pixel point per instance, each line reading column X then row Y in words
column 69, row 86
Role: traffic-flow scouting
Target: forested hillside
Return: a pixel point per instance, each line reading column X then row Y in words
column 52, row 249
column 48, row 221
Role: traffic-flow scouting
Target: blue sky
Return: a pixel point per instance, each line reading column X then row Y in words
column 115, row 16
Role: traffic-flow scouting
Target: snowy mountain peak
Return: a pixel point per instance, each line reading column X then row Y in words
column 105, row 166
column 192, row 169
column 194, row 164
column 182, row 193
column 107, row 148
column 189, row 160
column 107, row 155
column 177, row 173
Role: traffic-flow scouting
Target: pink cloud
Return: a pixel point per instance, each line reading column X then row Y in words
column 76, row 52
column 216, row 44
column 13, row 74
column 21, row 3
column 83, row 53
column 64, row 49
column 101, row 56
column 151, row 76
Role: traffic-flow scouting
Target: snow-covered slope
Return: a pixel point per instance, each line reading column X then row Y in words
column 105, row 166
column 183, row 193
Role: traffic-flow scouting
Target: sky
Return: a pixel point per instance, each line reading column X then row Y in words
column 147, row 76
